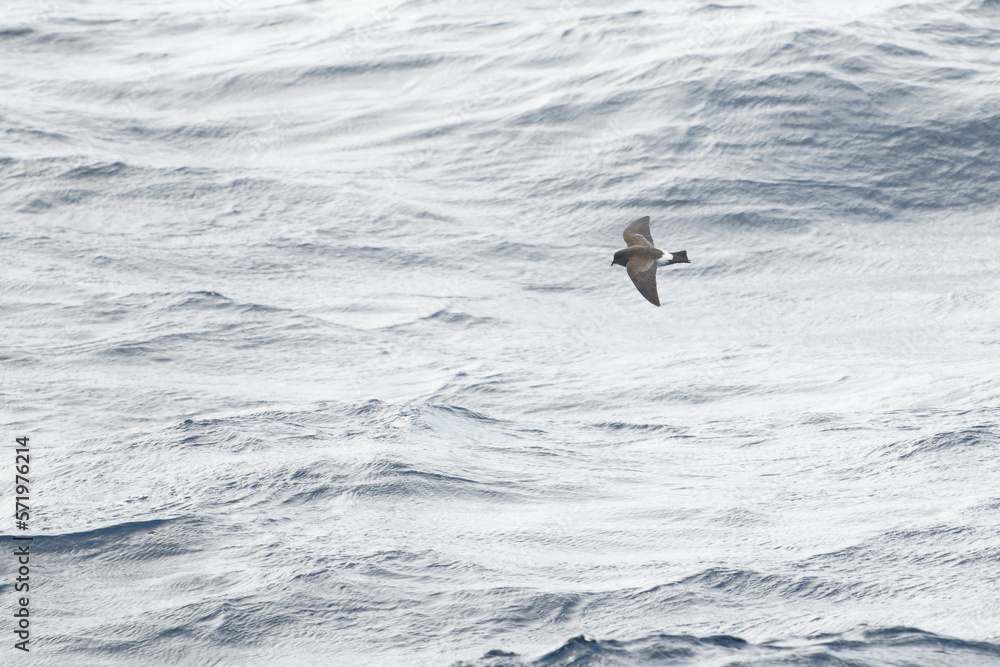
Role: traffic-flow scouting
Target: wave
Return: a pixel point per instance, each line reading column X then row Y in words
column 883, row 647
column 982, row 439
column 123, row 541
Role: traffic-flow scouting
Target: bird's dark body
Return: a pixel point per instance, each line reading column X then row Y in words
column 640, row 252
column 639, row 259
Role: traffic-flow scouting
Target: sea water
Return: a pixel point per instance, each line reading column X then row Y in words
column 308, row 316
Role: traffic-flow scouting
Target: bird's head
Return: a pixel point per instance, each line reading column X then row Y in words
column 621, row 257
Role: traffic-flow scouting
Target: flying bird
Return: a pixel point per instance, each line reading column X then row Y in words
column 639, row 258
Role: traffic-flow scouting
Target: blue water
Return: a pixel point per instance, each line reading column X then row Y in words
column 309, row 316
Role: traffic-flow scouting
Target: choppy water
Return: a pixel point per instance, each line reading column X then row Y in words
column 308, row 312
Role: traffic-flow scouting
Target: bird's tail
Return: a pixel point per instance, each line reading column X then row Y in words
column 680, row 257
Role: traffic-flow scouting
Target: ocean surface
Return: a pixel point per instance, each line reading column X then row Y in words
column 308, row 313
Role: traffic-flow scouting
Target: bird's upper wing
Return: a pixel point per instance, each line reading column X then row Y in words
column 638, row 233
column 643, row 274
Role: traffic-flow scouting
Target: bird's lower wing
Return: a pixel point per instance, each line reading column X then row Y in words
column 643, row 274
column 638, row 233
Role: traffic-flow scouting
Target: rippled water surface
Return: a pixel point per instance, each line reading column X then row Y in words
column 308, row 314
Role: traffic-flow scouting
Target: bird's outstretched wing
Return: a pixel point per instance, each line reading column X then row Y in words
column 638, row 233
column 643, row 274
